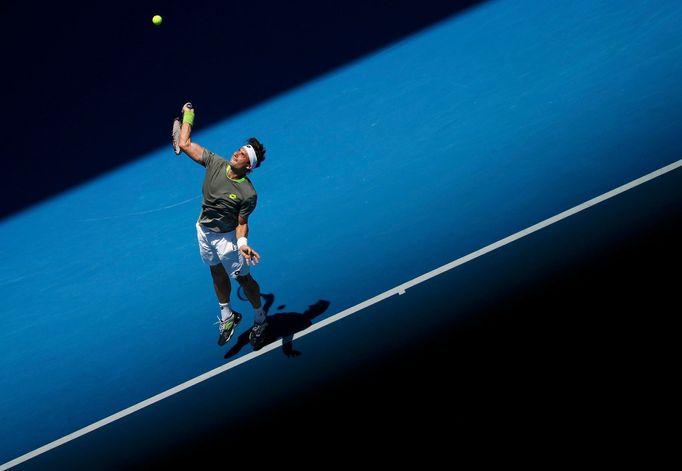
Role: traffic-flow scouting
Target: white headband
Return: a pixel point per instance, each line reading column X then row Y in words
column 252, row 155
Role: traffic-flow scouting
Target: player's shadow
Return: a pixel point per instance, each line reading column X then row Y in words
column 281, row 325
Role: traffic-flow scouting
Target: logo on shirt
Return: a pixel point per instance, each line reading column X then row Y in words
column 232, row 196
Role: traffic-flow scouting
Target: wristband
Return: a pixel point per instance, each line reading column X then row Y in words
column 241, row 242
column 188, row 117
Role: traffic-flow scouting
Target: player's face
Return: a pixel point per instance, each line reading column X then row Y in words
column 240, row 160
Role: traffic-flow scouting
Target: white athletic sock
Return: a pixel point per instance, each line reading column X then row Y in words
column 259, row 315
column 225, row 311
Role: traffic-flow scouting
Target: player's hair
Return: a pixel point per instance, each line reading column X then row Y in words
column 259, row 148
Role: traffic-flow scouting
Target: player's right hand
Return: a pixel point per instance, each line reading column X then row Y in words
column 187, row 106
column 251, row 257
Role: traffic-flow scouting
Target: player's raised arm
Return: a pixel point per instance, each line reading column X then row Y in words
column 193, row 150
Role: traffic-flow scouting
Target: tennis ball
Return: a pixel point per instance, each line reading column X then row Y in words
column 157, row 20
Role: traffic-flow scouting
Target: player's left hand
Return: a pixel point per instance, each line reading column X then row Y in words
column 251, row 256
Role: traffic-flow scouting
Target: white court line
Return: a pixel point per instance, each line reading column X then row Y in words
column 400, row 289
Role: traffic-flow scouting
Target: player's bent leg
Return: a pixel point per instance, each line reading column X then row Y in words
column 251, row 289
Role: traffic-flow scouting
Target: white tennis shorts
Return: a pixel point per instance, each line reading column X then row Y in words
column 221, row 247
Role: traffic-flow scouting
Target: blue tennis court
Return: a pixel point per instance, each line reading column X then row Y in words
column 443, row 143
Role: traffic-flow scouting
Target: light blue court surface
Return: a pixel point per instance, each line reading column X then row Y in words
column 452, row 139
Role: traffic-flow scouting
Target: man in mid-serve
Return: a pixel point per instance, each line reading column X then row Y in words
column 222, row 228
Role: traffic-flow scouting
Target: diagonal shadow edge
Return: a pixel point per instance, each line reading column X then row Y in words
column 97, row 95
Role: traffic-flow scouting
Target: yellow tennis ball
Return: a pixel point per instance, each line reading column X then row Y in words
column 157, row 20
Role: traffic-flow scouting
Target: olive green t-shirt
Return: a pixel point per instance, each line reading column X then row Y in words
column 224, row 198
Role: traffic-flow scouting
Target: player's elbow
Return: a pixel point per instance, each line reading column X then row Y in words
column 185, row 144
